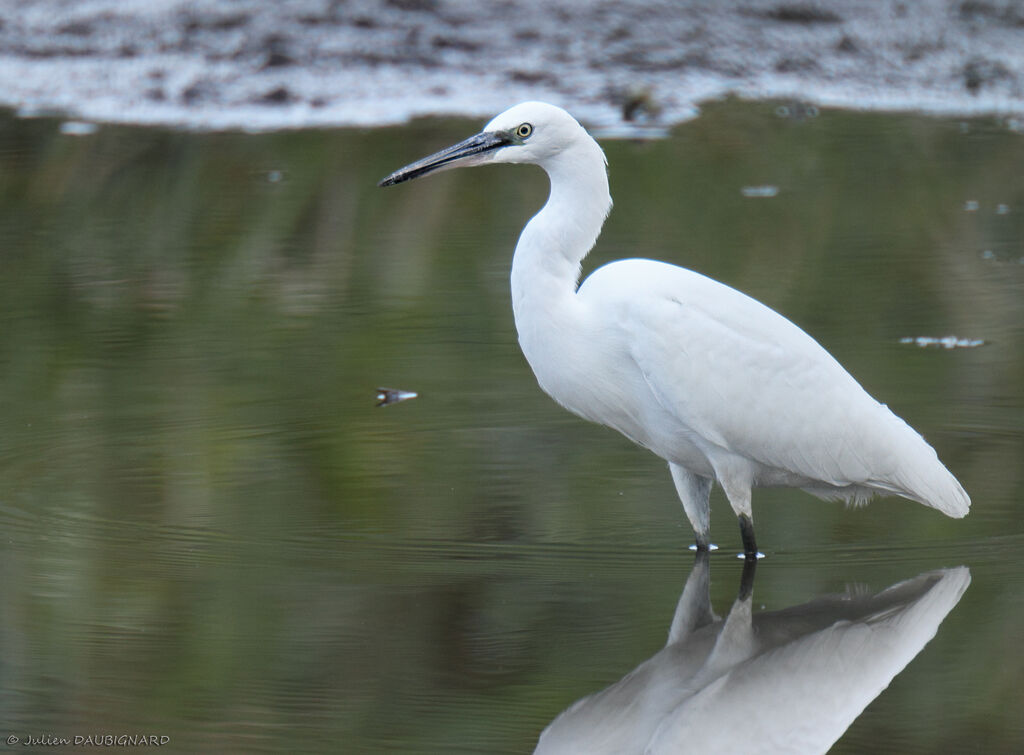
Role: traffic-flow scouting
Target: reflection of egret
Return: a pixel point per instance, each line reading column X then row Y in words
column 717, row 384
column 783, row 681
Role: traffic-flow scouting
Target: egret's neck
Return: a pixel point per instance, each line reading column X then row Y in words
column 546, row 265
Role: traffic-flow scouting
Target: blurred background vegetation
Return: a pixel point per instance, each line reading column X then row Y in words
column 208, row 530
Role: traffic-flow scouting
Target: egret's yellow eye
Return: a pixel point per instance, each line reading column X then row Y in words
column 523, row 130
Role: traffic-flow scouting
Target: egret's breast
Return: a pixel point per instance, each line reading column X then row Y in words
column 581, row 358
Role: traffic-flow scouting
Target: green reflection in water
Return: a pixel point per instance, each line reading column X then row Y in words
column 209, row 532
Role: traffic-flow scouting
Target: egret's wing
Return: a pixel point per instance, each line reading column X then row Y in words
column 747, row 380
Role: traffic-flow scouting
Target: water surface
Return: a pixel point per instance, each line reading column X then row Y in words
column 209, row 532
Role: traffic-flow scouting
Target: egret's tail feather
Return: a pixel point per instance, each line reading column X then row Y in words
column 924, row 479
column 944, row 493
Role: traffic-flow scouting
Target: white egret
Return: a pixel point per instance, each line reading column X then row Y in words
column 717, row 384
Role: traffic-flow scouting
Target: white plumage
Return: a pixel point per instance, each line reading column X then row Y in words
column 714, row 382
column 787, row 681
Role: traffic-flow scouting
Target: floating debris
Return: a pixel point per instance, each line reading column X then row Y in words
column 389, row 396
column 275, row 176
column 1002, row 209
column 946, row 342
column 971, row 205
column 760, row 191
column 797, row 111
column 78, row 128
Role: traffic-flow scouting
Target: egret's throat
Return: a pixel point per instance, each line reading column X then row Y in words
column 552, row 246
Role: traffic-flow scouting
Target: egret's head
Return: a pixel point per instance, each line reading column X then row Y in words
column 531, row 132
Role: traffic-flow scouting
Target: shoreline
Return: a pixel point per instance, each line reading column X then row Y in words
column 218, row 65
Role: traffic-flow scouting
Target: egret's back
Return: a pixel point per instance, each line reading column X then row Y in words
column 737, row 380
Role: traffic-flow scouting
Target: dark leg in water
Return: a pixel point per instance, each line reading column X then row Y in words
column 747, row 533
column 747, row 580
column 702, row 544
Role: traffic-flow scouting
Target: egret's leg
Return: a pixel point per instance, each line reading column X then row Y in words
column 694, row 491
column 747, row 533
column 737, row 490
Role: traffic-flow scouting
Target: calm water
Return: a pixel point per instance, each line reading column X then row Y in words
column 209, row 533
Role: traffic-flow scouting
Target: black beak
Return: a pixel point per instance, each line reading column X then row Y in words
column 450, row 157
